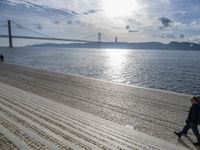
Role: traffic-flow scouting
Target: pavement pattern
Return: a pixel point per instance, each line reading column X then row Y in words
column 153, row 112
column 28, row 121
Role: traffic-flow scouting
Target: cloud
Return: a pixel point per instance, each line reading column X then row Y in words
column 69, row 22
column 36, row 7
column 56, row 22
column 166, row 22
column 195, row 24
column 127, row 27
column 168, row 36
column 76, row 6
column 182, row 36
column 172, row 36
column 39, row 26
column 90, row 12
column 132, row 31
column 77, row 18
column 195, row 39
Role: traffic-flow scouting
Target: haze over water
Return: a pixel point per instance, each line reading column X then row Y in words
column 177, row 71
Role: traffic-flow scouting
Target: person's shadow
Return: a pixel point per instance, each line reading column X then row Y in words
column 182, row 142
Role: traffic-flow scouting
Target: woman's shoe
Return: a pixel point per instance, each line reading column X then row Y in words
column 196, row 144
column 178, row 134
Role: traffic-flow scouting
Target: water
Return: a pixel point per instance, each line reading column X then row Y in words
column 177, row 71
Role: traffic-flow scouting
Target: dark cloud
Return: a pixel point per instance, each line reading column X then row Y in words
column 182, row 36
column 31, row 9
column 168, row 36
column 132, row 31
column 127, row 27
column 59, row 22
column 39, row 26
column 90, row 12
column 172, row 36
column 56, row 22
column 69, row 22
column 166, row 22
column 81, row 23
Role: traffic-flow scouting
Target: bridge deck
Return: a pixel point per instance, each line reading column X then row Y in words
column 47, row 38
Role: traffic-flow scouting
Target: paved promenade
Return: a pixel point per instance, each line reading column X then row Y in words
column 82, row 113
column 28, row 121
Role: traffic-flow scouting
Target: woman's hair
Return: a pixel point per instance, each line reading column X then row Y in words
column 196, row 98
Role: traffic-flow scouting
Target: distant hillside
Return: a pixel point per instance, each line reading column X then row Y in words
column 141, row 45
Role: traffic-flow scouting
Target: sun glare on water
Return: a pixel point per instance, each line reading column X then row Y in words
column 119, row 8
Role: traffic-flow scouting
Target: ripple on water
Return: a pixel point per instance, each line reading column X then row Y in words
column 177, row 71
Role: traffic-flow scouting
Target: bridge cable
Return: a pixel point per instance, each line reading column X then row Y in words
column 30, row 30
column 44, row 35
column 90, row 36
column 108, row 39
column 3, row 22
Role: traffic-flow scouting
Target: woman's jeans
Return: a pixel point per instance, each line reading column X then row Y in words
column 194, row 128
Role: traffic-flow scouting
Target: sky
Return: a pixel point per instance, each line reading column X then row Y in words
column 129, row 20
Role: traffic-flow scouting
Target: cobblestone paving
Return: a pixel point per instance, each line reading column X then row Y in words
column 82, row 112
column 29, row 121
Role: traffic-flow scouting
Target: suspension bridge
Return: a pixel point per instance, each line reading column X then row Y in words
column 10, row 36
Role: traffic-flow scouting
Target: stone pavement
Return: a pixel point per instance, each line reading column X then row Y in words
column 28, row 121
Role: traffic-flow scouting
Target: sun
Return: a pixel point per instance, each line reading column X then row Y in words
column 119, row 8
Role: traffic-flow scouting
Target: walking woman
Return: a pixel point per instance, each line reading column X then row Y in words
column 192, row 121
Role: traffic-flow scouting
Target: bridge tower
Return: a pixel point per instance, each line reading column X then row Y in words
column 116, row 39
column 99, row 37
column 10, row 34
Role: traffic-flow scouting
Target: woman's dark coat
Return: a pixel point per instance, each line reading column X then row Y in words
column 193, row 116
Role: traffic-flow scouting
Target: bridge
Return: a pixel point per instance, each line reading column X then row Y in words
column 10, row 36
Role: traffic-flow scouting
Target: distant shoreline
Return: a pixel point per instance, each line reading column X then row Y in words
column 186, row 46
